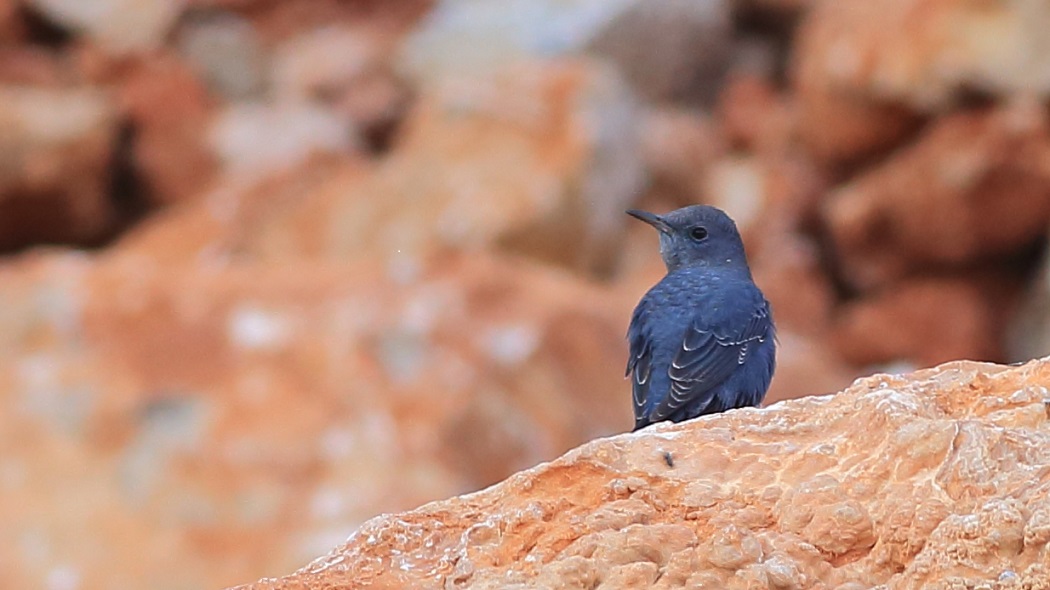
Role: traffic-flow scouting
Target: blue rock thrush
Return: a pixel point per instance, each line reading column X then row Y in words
column 702, row 339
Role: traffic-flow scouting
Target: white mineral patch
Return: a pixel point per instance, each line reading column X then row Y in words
column 253, row 328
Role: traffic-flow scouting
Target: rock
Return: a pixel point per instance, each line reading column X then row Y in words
column 121, row 26
column 227, row 53
column 26, row 65
column 925, row 320
column 10, row 23
column 1027, row 333
column 787, row 267
column 753, row 116
column 321, row 63
column 865, row 73
column 445, row 42
column 55, row 156
column 974, row 187
column 262, row 411
column 835, row 121
column 927, row 53
column 349, row 70
column 806, row 365
column 679, row 146
column 774, row 8
column 258, row 139
column 540, row 160
column 278, row 22
column 738, row 185
column 666, row 50
column 888, row 482
column 169, row 112
column 377, row 103
column 670, row 50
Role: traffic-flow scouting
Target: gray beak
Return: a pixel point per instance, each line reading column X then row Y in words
column 652, row 219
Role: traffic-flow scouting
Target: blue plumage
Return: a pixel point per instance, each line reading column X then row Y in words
column 702, row 340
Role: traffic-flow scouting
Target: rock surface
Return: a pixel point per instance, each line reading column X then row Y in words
column 937, row 319
column 943, row 485
column 974, row 187
column 540, row 160
column 346, row 257
column 262, row 411
column 55, row 157
column 865, row 74
column 928, row 53
column 170, row 112
column 121, row 26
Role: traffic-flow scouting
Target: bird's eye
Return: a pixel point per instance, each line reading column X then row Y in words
column 698, row 233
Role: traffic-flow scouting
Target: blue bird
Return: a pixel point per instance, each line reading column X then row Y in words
column 702, row 340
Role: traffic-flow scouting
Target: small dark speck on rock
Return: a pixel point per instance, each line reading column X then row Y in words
column 668, row 458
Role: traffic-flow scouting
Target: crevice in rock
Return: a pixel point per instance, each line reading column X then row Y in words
column 42, row 31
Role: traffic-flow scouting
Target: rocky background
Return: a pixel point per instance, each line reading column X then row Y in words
column 272, row 267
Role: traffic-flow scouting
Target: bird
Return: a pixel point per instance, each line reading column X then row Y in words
column 702, row 339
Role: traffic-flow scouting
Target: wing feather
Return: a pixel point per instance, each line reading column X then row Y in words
column 708, row 355
column 639, row 361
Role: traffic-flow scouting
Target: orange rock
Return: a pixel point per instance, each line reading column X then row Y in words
column 282, row 20
column 169, row 111
column 348, row 68
column 864, row 71
column 926, row 321
column 888, row 482
column 10, row 25
column 807, row 365
column 120, row 26
column 926, row 53
column 679, row 147
column 974, row 186
column 668, row 51
column 834, row 124
column 753, row 116
column 840, row 116
column 259, row 412
column 26, row 65
column 540, row 161
column 787, row 268
column 55, row 155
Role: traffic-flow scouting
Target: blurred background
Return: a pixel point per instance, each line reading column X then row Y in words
column 272, row 267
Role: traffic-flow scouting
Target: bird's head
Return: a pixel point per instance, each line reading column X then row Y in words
column 697, row 235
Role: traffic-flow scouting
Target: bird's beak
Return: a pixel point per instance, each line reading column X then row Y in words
column 652, row 219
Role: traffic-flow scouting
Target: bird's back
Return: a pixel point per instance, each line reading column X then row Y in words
column 701, row 341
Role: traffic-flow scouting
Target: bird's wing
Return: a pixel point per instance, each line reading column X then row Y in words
column 639, row 360
column 709, row 353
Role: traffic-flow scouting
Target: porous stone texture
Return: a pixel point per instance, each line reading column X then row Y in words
column 936, row 479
